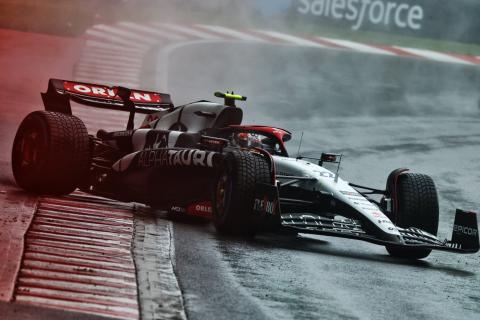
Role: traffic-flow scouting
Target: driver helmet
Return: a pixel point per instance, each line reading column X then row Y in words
column 247, row 140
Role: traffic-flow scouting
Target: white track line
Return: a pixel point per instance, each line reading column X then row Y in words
column 102, row 47
column 109, row 82
column 234, row 34
column 104, row 75
column 88, row 73
column 115, row 39
column 154, row 31
column 109, row 60
column 433, row 55
column 95, row 65
column 110, row 47
column 356, row 46
column 291, row 39
column 135, row 37
column 187, row 30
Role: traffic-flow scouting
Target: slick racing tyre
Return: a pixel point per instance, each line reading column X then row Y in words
column 417, row 207
column 51, row 153
column 235, row 191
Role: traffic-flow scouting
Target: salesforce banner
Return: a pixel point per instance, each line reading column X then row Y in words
column 455, row 20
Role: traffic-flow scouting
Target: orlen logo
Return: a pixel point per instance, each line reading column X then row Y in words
column 465, row 230
column 203, row 209
column 361, row 12
column 108, row 93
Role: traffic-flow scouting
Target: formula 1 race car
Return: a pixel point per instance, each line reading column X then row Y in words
column 198, row 159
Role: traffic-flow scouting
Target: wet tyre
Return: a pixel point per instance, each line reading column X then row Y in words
column 235, row 191
column 51, row 153
column 417, row 207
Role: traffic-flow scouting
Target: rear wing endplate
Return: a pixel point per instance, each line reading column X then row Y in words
column 60, row 92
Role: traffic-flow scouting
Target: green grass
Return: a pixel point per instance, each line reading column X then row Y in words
column 390, row 39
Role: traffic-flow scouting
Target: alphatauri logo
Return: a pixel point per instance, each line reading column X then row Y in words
column 169, row 157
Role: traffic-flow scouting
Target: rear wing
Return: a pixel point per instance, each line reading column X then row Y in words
column 60, row 92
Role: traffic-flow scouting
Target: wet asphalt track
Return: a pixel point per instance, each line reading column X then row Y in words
column 382, row 113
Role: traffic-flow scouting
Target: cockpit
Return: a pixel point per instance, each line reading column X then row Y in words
column 269, row 139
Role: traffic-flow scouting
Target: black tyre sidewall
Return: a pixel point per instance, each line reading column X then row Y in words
column 417, row 207
column 24, row 175
column 65, row 154
column 244, row 170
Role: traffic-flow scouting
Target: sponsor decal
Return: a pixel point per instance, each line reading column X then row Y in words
column 465, row 230
column 178, row 209
column 170, row 158
column 156, row 139
column 202, row 209
column 326, row 174
column 377, row 214
column 359, row 13
column 362, row 200
column 99, row 91
column 351, row 193
column 384, row 221
column 213, row 142
column 264, row 205
column 119, row 134
column 372, row 208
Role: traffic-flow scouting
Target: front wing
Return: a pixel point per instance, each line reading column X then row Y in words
column 465, row 238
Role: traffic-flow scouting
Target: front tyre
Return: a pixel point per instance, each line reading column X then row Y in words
column 51, row 153
column 235, row 191
column 417, row 206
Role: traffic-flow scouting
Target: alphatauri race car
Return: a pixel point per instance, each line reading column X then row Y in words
column 198, row 159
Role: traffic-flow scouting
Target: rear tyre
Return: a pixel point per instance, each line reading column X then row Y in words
column 417, row 207
column 51, row 153
column 235, row 191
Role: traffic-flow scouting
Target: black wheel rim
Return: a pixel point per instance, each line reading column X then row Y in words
column 222, row 193
column 31, row 148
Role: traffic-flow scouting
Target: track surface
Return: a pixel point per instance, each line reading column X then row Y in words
column 382, row 113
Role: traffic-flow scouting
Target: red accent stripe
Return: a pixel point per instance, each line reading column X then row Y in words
column 32, row 274
column 471, row 59
column 79, row 264
column 68, row 269
column 396, row 51
column 83, row 225
column 71, row 233
column 180, row 33
column 75, row 240
column 83, row 248
column 327, row 43
column 212, row 32
column 75, row 217
column 90, row 308
column 263, row 36
column 76, row 254
column 63, row 294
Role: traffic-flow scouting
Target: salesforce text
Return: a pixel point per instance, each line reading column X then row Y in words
column 361, row 12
